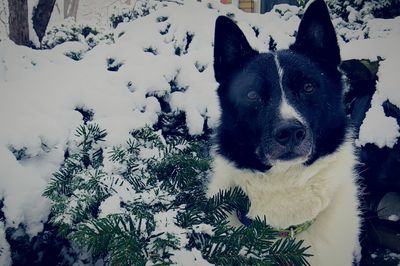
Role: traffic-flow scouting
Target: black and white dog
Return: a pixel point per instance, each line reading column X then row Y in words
column 284, row 138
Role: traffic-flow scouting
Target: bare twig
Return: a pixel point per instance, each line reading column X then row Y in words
column 3, row 11
column 171, row 1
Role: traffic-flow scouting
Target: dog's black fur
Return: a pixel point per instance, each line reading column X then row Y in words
column 250, row 130
column 284, row 136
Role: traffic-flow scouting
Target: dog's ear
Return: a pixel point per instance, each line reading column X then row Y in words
column 231, row 48
column 316, row 36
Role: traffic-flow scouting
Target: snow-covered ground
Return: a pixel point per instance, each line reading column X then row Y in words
column 40, row 90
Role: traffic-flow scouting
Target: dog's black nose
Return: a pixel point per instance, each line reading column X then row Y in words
column 289, row 133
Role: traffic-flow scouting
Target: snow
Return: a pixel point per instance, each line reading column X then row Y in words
column 192, row 257
column 111, row 205
column 5, row 254
column 21, row 190
column 40, row 90
column 393, row 218
column 375, row 119
column 381, row 28
column 387, row 89
column 165, row 224
column 383, row 45
column 394, row 255
column 203, row 228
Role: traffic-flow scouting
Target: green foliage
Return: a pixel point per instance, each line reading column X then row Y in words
column 245, row 245
column 78, row 188
column 141, row 201
column 288, row 251
column 74, row 55
column 113, row 65
column 116, row 237
column 302, row 3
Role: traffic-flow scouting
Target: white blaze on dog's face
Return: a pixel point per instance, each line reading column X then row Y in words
column 283, row 106
column 286, row 111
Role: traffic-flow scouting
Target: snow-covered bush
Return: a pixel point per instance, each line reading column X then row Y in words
column 69, row 31
column 352, row 10
column 147, row 196
column 365, row 8
column 351, row 17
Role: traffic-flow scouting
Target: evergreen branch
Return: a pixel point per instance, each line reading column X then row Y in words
column 161, row 247
column 97, row 158
column 176, row 178
column 91, row 132
column 83, row 211
column 133, row 147
column 289, row 252
column 135, row 180
column 226, row 202
column 148, row 137
column 95, row 185
column 119, row 238
column 190, row 217
column 117, row 154
column 178, row 171
column 97, row 234
column 127, row 249
column 143, row 213
column 62, row 181
column 63, row 229
column 114, row 236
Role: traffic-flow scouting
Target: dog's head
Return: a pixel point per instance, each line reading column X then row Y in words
column 284, row 105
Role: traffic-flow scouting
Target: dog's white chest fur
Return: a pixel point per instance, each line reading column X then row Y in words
column 291, row 194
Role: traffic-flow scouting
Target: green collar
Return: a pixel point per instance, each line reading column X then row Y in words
column 294, row 230
column 289, row 232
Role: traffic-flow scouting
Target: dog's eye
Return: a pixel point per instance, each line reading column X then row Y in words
column 252, row 95
column 308, row 88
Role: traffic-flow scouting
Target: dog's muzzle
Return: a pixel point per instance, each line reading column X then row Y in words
column 289, row 140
